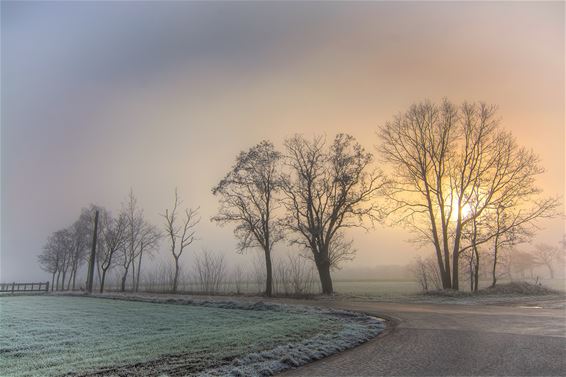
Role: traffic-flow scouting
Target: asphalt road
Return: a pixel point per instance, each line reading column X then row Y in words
column 452, row 340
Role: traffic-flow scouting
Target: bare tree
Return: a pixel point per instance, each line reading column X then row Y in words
column 81, row 233
column 426, row 273
column 113, row 238
column 328, row 189
column 238, row 277
column 56, row 256
column 248, row 199
column 209, row 270
column 158, row 278
column 548, row 256
column 511, row 219
column 149, row 241
column 135, row 222
column 446, row 159
column 180, row 231
column 50, row 257
column 300, row 274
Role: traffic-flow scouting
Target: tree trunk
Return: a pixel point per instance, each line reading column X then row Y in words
column 124, row 277
column 471, row 270
column 455, row 273
column 494, row 267
column 133, row 274
column 63, row 280
column 444, row 268
column 98, row 270
column 70, row 279
column 102, row 279
column 52, row 280
column 137, row 285
column 323, row 267
column 495, row 249
column 58, row 277
column 476, row 270
column 74, row 277
column 176, row 276
column 446, row 279
column 269, row 273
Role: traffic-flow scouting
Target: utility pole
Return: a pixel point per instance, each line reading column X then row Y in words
column 90, row 276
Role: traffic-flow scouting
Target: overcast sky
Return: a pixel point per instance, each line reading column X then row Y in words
column 100, row 97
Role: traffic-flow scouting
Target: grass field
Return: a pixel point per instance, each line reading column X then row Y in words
column 49, row 335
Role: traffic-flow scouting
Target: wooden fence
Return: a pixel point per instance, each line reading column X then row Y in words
column 24, row 287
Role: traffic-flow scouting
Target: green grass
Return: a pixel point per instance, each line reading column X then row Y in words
column 46, row 335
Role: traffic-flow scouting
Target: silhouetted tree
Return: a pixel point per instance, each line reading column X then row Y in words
column 446, row 159
column 209, row 270
column 49, row 259
column 149, row 241
column 134, row 226
column 180, row 231
column 248, row 199
column 113, row 237
column 328, row 189
column 81, row 234
column 56, row 256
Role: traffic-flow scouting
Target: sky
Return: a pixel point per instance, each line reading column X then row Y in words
column 101, row 97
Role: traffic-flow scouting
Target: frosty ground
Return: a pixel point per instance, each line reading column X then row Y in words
column 55, row 335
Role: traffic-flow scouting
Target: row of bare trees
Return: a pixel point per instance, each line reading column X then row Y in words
column 66, row 251
column 455, row 178
column 123, row 241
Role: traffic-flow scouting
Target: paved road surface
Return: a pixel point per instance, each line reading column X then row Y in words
column 455, row 340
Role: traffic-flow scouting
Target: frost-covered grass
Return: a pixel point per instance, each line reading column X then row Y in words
column 55, row 335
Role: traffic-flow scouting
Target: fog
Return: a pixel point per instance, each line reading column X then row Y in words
column 98, row 98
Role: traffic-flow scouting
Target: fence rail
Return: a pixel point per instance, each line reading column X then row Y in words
column 24, row 287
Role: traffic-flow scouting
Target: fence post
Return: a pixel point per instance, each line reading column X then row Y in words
column 46, row 287
column 13, row 285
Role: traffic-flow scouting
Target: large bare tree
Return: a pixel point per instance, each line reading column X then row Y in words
column 453, row 165
column 181, row 232
column 329, row 188
column 248, row 198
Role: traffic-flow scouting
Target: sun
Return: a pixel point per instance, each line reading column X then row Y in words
column 466, row 212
